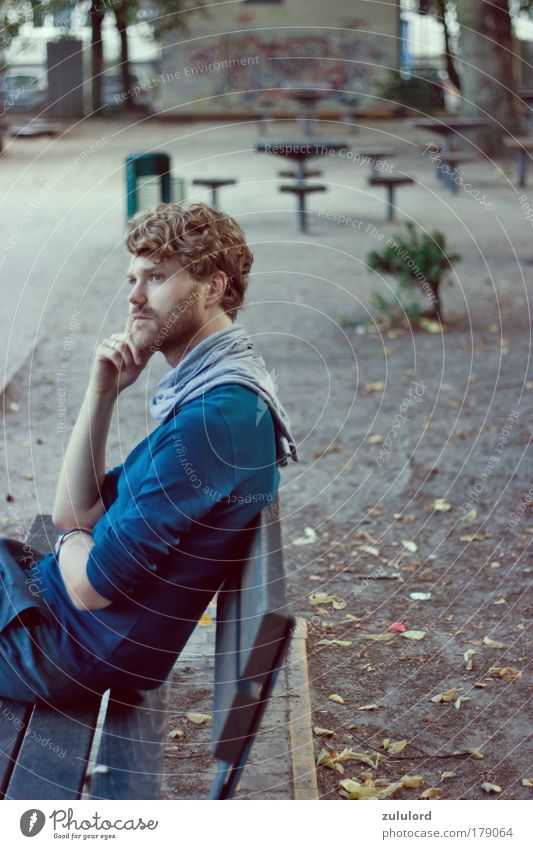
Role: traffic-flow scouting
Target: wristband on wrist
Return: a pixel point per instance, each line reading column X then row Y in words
column 62, row 537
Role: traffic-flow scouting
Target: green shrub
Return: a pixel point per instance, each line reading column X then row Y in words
column 418, row 261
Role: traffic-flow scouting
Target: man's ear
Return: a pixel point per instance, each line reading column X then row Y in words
column 217, row 286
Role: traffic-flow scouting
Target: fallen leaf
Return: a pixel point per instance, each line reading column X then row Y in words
column 479, row 684
column 378, row 637
column 460, row 701
column 527, row 782
column 329, row 760
column 205, row 619
column 476, row 753
column 336, row 698
column 177, row 732
column 343, row 644
column 413, row 635
column 420, row 596
column 397, row 627
column 492, row 644
column 441, row 505
column 198, row 718
column 500, row 601
column 413, row 782
column 409, row 545
column 396, row 748
column 368, row 707
column 323, row 598
column 14, row 406
column 430, row 326
column 323, row 732
column 432, row 793
column 468, row 655
column 375, row 439
column 377, row 386
column 447, row 696
column 308, row 538
column 369, row 790
column 444, row 775
column 509, row 673
column 471, row 516
column 370, row 549
column 370, row 760
column 491, row 788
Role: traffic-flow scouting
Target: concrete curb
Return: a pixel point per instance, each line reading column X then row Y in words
column 300, row 732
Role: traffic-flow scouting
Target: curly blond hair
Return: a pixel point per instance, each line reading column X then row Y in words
column 201, row 238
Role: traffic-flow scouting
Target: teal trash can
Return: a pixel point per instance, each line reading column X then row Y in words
column 139, row 166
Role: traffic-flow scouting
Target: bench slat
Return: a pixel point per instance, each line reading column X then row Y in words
column 132, row 745
column 14, row 718
column 42, row 773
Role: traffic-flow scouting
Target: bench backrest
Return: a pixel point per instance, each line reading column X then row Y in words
column 254, row 626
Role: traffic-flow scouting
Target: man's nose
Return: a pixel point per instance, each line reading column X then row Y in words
column 138, row 294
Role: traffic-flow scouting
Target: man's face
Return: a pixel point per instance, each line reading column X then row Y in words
column 165, row 305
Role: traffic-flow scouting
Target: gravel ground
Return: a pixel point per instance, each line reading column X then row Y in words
column 468, row 393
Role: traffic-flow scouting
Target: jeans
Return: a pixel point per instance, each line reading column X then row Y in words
column 30, row 638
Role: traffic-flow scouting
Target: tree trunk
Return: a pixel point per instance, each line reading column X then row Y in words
column 485, row 65
column 97, row 54
column 122, row 27
column 449, row 56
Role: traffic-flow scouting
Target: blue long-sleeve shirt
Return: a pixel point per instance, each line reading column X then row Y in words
column 172, row 531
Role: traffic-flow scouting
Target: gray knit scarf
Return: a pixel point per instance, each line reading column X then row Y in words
column 226, row 356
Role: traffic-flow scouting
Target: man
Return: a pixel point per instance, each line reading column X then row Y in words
column 146, row 545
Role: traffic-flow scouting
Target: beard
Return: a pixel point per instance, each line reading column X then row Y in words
column 174, row 332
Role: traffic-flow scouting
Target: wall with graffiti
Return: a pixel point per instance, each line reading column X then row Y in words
column 239, row 70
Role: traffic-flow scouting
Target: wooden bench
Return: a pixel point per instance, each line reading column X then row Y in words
column 112, row 748
column 391, row 183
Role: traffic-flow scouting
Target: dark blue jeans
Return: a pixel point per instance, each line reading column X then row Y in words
column 30, row 656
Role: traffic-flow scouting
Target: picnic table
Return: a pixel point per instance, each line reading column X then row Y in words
column 308, row 96
column 300, row 150
column 451, row 128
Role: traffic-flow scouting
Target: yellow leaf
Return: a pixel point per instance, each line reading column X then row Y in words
column 385, row 743
column 368, row 707
column 349, row 755
column 205, row 619
column 471, row 516
column 374, row 387
column 343, row 644
column 447, row 696
column 491, row 788
column 375, row 439
column 468, row 655
column 527, row 782
column 323, row 598
column 384, row 638
column 368, row 790
column 441, row 505
column 509, row 673
column 444, row 775
column 476, row 753
column 308, row 538
column 460, row 701
column 409, row 545
column 323, row 732
column 413, row 635
column 431, row 793
column 396, row 748
column 413, row 781
column 430, row 326
column 328, row 760
column 492, row 644
column 370, row 549
column 177, row 732
column 198, row 718
column 336, row 698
